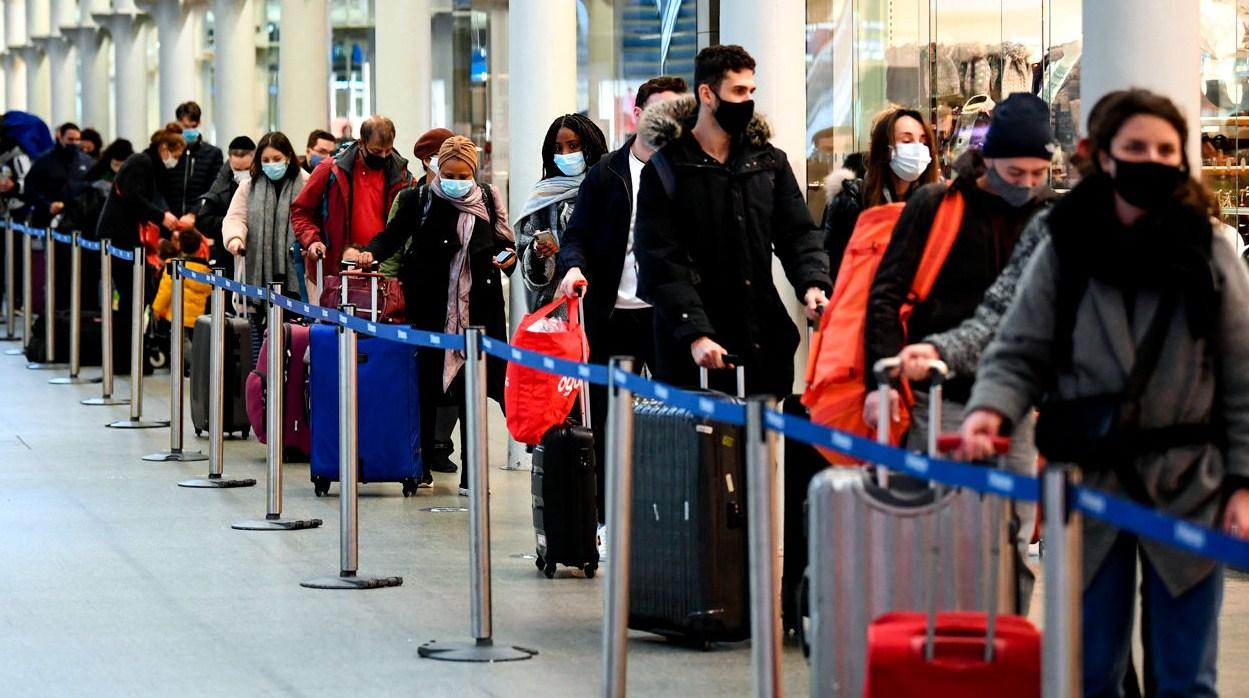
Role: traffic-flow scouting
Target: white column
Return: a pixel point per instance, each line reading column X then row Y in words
column 1122, row 40
column 176, row 36
column 14, row 66
column 61, row 62
column 38, row 79
column 542, row 84
column 234, row 35
column 304, row 69
column 402, row 32
column 499, row 105
column 129, row 74
column 773, row 32
column 92, row 48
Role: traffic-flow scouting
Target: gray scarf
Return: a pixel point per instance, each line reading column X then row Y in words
column 269, row 232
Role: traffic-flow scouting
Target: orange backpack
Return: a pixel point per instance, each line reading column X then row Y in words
column 836, row 365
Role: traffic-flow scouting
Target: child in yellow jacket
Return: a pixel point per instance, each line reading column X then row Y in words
column 194, row 293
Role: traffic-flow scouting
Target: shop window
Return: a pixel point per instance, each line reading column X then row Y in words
column 1225, row 107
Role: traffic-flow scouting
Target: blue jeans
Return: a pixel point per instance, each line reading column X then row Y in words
column 1180, row 634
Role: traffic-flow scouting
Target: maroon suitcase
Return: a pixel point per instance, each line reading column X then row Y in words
column 296, row 435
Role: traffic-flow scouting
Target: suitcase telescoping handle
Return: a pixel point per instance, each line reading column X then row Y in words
column 886, row 370
column 240, row 275
column 352, row 270
column 1001, row 446
column 733, row 360
column 583, row 396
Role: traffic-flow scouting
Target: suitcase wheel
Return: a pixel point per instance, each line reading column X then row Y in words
column 409, row 487
column 590, row 570
column 199, row 432
column 549, row 571
column 540, row 562
column 320, row 486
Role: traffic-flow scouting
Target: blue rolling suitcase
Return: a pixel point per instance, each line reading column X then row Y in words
column 389, row 433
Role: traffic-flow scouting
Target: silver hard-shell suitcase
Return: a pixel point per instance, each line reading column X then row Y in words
column 867, row 546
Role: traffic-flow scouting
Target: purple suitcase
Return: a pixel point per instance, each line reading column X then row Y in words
column 297, row 436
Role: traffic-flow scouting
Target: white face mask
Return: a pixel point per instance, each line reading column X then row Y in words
column 170, row 162
column 241, row 176
column 910, row 160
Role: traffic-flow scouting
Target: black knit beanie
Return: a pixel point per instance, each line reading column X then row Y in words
column 1020, row 129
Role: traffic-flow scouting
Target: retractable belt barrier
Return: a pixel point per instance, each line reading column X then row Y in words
column 1117, row 511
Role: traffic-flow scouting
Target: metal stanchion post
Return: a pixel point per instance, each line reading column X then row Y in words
column 137, row 356
column 619, row 470
column 765, row 606
column 275, row 420
column 348, row 474
column 106, row 331
column 49, row 307
column 481, row 648
column 75, row 318
column 28, row 296
column 216, row 399
column 1062, row 571
column 10, row 282
column 176, row 383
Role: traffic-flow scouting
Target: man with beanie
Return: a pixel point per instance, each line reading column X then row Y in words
column 1003, row 186
column 216, row 202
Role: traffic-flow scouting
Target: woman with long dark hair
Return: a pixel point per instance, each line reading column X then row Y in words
column 1130, row 332
column 573, row 144
column 257, row 225
column 901, row 158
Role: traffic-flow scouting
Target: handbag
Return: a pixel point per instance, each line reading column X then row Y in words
column 1105, row 429
column 391, row 307
column 537, row 400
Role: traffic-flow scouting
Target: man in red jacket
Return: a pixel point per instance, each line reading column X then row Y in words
column 346, row 199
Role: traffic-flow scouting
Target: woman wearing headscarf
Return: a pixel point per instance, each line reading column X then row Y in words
column 573, row 145
column 451, row 277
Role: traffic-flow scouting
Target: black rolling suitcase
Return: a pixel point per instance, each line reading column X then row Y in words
column 89, row 346
column 238, row 357
column 688, row 574
column 564, row 485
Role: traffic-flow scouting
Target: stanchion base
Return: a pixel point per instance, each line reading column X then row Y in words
column 352, row 582
column 14, row 352
column 36, row 366
column 138, row 424
column 277, row 525
column 216, row 483
column 105, row 401
column 9, row 339
column 75, row 380
column 474, row 651
column 180, row 456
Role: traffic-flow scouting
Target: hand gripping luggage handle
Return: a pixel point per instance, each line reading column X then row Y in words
column 704, row 375
column 885, row 370
column 350, row 270
column 1001, row 446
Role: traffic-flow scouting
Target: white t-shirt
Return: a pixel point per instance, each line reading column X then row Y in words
column 627, row 294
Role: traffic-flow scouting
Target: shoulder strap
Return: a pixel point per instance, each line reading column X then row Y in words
column 487, row 198
column 941, row 237
column 1147, row 355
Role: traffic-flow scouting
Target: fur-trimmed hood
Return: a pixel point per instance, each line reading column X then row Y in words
column 837, row 179
column 666, row 121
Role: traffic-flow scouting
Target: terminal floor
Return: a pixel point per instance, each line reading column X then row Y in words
column 114, row 581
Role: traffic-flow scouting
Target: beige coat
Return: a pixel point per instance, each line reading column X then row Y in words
column 234, row 226
column 1185, row 482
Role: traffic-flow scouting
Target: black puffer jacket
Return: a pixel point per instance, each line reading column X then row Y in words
column 704, row 239
column 988, row 234
column 845, row 203
column 213, row 205
column 185, row 184
column 132, row 200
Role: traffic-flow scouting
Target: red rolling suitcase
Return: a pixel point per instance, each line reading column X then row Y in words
column 962, row 654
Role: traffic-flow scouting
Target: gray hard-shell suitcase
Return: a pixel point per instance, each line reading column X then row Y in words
column 867, row 546
column 238, row 364
column 688, row 574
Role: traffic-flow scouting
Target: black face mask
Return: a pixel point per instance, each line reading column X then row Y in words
column 374, row 161
column 1148, row 185
column 734, row 117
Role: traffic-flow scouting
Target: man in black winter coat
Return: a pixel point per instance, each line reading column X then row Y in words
column 57, row 177
column 598, row 248
column 714, row 203
column 185, row 184
column 216, row 202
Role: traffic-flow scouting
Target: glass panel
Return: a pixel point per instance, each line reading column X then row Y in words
column 1060, row 84
column 460, row 98
column 1225, row 106
column 267, row 47
column 351, row 66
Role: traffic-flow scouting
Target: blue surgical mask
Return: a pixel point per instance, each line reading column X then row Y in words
column 274, row 170
column 456, row 188
column 314, row 160
column 571, row 164
column 190, row 134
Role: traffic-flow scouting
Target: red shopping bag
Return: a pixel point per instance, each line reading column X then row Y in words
column 537, row 400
